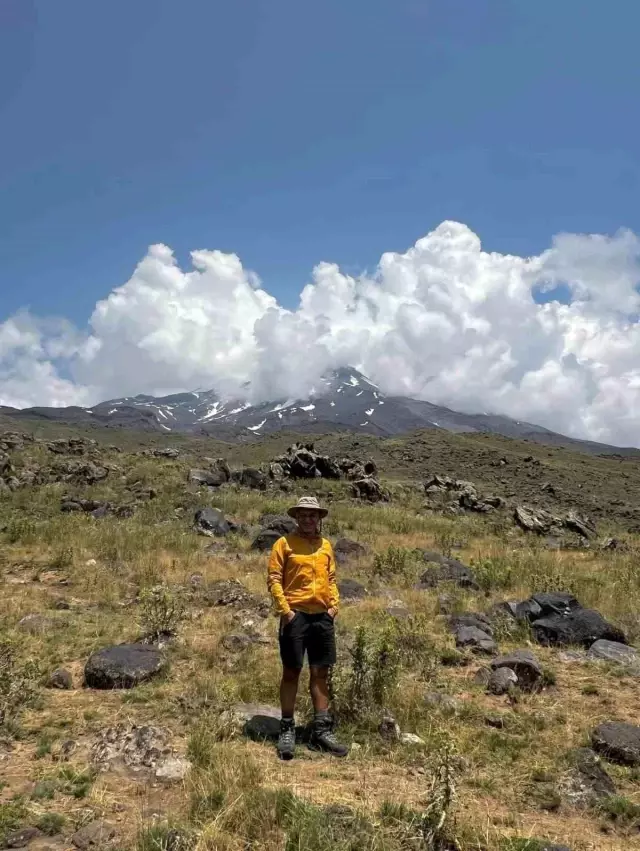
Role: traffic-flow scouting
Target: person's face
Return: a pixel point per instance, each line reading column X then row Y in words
column 308, row 520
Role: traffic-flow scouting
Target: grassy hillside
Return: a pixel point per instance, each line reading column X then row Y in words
column 497, row 767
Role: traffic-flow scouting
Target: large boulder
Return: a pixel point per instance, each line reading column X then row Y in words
column 123, row 666
column 208, row 478
column 369, row 489
column 618, row 741
column 281, row 523
column 524, row 665
column 580, row 626
column 265, row 539
column 250, row 477
column 446, row 569
column 211, row 522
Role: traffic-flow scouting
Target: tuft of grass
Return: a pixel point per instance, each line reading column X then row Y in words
column 51, row 824
column 12, row 815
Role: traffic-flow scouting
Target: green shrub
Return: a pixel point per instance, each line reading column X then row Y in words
column 161, row 611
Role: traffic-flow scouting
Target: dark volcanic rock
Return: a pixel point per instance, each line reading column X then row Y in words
column 265, row 539
column 61, row 679
column 448, row 570
column 211, row 522
column 209, row 478
column 475, row 639
column 252, row 478
column 525, row 666
column 580, row 626
column 476, row 619
column 123, row 666
column 618, row 741
column 369, row 490
column 501, row 681
column 587, row 782
column 351, row 589
column 281, row 523
column 555, row 602
column 346, row 549
column 21, row 838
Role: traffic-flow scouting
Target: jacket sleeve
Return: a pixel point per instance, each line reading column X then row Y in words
column 334, row 595
column 274, row 576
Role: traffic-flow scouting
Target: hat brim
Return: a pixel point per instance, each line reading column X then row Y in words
column 293, row 511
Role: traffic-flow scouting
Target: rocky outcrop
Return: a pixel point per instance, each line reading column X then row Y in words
column 542, row 522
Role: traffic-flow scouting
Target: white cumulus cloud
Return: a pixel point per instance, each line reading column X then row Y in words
column 445, row 321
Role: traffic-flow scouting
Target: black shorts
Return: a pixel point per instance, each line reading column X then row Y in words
column 313, row 634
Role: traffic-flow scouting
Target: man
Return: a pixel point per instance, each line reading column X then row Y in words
column 302, row 582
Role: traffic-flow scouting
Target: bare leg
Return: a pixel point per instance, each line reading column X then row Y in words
column 289, row 691
column 319, row 689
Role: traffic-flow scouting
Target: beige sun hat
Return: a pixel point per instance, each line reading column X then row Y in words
column 310, row 503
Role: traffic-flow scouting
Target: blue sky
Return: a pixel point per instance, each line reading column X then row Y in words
column 292, row 132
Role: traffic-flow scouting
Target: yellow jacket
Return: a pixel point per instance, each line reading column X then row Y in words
column 302, row 575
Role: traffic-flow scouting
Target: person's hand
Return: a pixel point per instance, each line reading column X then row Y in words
column 332, row 613
column 288, row 617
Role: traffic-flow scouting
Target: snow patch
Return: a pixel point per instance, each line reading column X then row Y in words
column 369, row 412
column 307, row 407
column 258, row 427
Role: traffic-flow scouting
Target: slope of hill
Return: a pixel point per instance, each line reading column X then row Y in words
column 169, row 763
column 344, row 400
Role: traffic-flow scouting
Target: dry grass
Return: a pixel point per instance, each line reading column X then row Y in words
column 99, row 568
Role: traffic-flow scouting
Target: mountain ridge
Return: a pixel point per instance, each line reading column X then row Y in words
column 345, row 400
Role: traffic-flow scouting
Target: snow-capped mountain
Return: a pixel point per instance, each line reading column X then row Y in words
column 344, row 400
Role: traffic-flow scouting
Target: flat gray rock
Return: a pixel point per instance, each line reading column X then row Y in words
column 475, row 639
column 613, row 651
column 618, row 741
column 123, row 666
column 96, row 834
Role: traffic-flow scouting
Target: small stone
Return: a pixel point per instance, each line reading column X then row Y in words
column 482, row 677
column 475, row 639
column 501, row 681
column 21, row 838
column 398, row 611
column 389, row 729
column 410, row 739
column 525, row 666
column 91, row 563
column 351, row 589
column 96, row 834
column 445, row 604
column 61, row 679
column 173, row 770
column 236, row 642
column 444, row 702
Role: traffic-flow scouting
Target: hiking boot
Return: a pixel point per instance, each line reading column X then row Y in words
column 287, row 739
column 323, row 738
